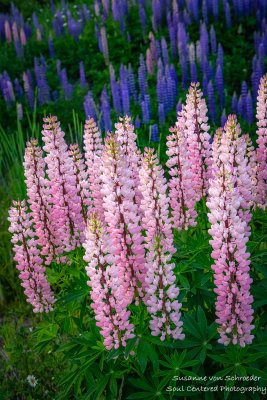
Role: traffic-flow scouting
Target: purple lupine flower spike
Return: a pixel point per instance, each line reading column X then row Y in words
column 154, row 133
column 161, row 114
column 249, row 109
column 193, row 71
column 220, row 85
column 51, row 47
column 82, row 76
column 213, row 40
column 228, row 16
column 211, row 101
column 137, row 122
column 223, row 118
column 244, row 92
column 234, row 103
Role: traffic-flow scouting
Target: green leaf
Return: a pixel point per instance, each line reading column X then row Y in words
column 253, row 357
column 220, row 359
column 241, row 370
column 42, row 345
column 152, row 354
column 181, row 358
column 139, row 395
column 100, row 387
column 142, row 355
column 184, row 282
column 165, row 363
column 188, row 373
column 260, row 268
column 190, row 363
column 192, row 327
column 205, row 278
column 142, row 384
column 163, row 383
column 75, row 295
column 112, row 354
column 202, row 355
column 70, row 377
column 185, row 344
column 113, row 386
column 223, row 372
column 163, row 373
column 257, row 372
column 202, row 321
column 87, row 364
column 130, row 346
column 155, row 340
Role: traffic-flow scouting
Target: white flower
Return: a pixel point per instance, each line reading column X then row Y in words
column 32, row 380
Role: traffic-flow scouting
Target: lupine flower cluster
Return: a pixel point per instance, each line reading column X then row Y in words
column 101, row 203
column 261, row 195
column 158, row 59
column 229, row 231
column 108, row 304
column 198, row 139
column 118, row 205
column 182, row 194
column 29, row 262
column 162, row 293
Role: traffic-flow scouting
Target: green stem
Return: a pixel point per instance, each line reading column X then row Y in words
column 204, row 213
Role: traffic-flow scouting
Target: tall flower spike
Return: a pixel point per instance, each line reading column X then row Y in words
column 198, row 139
column 111, row 315
column 123, row 219
column 182, row 196
column 261, row 116
column 93, row 150
column 234, row 154
column 62, row 185
column 40, row 203
column 82, row 183
column 229, row 238
column 162, row 294
column 127, row 138
column 251, row 155
column 29, row 262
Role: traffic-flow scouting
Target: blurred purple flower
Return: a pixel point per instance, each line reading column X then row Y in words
column 82, row 76
column 213, row 40
column 234, row 103
column 154, row 133
column 249, row 109
column 211, row 102
column 223, row 118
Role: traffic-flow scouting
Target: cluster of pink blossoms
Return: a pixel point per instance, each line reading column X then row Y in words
column 162, row 293
column 62, row 187
column 93, row 151
column 233, row 152
column 115, row 202
column 132, row 267
column 194, row 121
column 182, row 194
column 229, row 231
column 39, row 201
column 251, row 156
column 109, row 307
column 261, row 115
column 60, row 204
column 29, row 262
column 127, row 138
column 122, row 219
column 82, row 183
